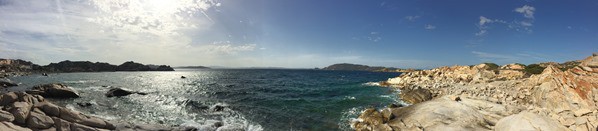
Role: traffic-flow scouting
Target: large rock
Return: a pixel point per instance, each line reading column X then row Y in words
column 6, row 116
column 368, row 118
column 39, row 121
column 526, row 121
column 7, row 126
column 510, row 74
column 61, row 125
column 439, row 114
column 20, row 110
column 4, row 83
column 435, row 115
column 49, row 108
column 513, row 66
column 416, row 96
column 8, row 98
column 54, row 91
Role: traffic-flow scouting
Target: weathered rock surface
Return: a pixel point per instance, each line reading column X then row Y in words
column 416, row 96
column 438, row 114
column 55, row 90
column 566, row 99
column 121, row 92
column 35, row 113
column 526, row 121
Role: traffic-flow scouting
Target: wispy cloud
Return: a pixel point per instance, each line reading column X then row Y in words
column 492, row 57
column 527, row 11
column 517, row 25
column 412, row 18
column 430, row 27
column 374, row 36
column 511, row 57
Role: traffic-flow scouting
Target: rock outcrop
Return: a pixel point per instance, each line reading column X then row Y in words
column 564, row 96
column 416, row 96
column 5, row 83
column 33, row 112
column 526, row 121
column 55, row 90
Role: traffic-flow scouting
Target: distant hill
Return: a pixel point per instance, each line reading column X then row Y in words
column 9, row 65
column 192, row 67
column 357, row 67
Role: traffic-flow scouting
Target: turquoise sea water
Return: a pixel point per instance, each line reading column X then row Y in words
column 254, row 99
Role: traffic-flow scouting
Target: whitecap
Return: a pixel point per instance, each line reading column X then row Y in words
column 349, row 98
column 372, row 84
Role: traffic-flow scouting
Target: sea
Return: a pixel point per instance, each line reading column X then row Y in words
column 248, row 99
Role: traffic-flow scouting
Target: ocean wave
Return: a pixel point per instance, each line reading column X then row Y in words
column 372, row 84
column 349, row 116
column 349, row 98
column 80, row 81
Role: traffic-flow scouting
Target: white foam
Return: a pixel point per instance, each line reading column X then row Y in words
column 372, row 84
column 349, row 98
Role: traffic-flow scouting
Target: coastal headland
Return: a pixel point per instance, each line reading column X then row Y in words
column 546, row 96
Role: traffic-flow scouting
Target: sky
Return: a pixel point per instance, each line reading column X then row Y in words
column 299, row 33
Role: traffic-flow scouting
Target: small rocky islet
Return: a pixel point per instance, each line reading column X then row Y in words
column 513, row 97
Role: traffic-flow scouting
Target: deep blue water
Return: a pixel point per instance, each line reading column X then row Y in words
column 255, row 99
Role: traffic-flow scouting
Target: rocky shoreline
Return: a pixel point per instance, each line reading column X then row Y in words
column 487, row 97
column 34, row 110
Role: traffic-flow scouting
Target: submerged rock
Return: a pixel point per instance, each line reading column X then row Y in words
column 55, row 90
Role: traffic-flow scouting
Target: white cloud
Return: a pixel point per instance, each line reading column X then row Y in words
column 375, row 38
column 149, row 31
column 412, row 18
column 517, row 25
column 484, row 20
column 430, row 27
column 373, row 33
column 527, row 11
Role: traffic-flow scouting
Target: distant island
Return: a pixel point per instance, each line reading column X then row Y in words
column 192, row 67
column 20, row 67
column 357, row 67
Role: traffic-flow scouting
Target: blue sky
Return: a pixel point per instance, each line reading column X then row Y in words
column 299, row 34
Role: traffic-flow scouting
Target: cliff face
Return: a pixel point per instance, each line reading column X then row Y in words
column 500, row 97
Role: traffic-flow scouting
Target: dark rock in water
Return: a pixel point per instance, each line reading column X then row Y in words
column 217, row 108
column 416, row 96
column 117, row 92
column 44, row 74
column 7, row 83
column 84, row 104
column 121, row 92
column 54, row 90
column 183, row 77
column 218, row 124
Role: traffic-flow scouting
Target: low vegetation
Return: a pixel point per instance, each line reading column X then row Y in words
column 533, row 69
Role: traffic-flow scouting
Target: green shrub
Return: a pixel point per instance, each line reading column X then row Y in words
column 492, row 66
column 533, row 69
column 520, row 64
column 568, row 65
